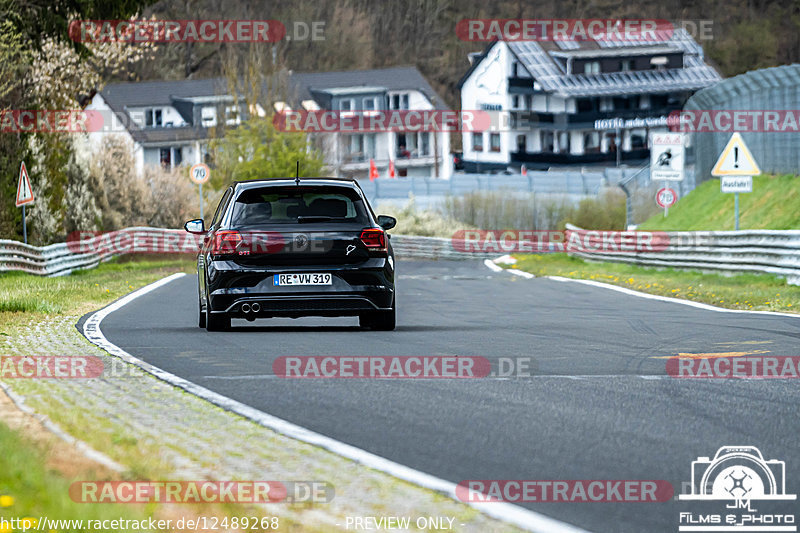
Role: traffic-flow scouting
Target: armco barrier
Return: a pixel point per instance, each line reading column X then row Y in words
column 766, row 251
column 61, row 259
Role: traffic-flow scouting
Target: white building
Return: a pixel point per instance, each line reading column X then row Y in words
column 169, row 122
column 565, row 103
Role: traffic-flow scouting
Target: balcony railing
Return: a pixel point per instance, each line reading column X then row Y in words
column 525, row 119
column 576, row 159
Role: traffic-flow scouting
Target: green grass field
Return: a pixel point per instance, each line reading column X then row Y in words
column 23, row 295
column 759, row 292
column 29, row 490
column 773, row 204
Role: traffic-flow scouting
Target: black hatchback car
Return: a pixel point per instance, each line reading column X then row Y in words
column 292, row 248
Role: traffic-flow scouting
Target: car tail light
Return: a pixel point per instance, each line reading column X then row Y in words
column 226, row 242
column 374, row 239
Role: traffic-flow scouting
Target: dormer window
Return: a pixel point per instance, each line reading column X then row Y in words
column 591, row 67
column 659, row 63
column 370, row 104
column 346, row 105
column 153, row 118
column 208, row 116
column 399, row 101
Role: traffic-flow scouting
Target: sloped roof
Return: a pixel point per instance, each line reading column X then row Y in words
column 392, row 79
column 538, row 59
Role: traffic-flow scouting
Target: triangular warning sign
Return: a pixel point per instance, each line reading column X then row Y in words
column 24, row 191
column 736, row 160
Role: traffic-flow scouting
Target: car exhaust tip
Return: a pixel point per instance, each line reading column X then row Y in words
column 256, row 307
column 245, row 308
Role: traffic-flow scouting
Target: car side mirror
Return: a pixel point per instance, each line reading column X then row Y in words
column 386, row 222
column 195, row 226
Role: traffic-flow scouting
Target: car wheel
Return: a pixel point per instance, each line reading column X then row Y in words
column 201, row 315
column 216, row 322
column 381, row 320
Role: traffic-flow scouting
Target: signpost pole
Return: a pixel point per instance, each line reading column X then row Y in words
column 24, row 227
column 200, row 186
column 736, row 210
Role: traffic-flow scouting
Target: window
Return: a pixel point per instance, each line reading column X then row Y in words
column 659, row 63
column 232, row 117
column 521, row 143
column 424, row 143
column 346, row 105
column 563, row 142
column 515, row 102
column 370, row 104
column 626, row 65
column 165, row 157
column 360, row 147
column 591, row 67
column 283, row 205
column 208, row 116
column 547, row 141
column 494, row 142
column 477, row 142
column 399, row 101
column 638, row 138
column 584, row 105
column 591, row 142
column 153, row 118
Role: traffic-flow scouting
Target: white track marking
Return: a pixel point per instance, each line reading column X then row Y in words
column 512, row 514
column 630, row 292
column 522, row 273
column 492, row 266
column 690, row 303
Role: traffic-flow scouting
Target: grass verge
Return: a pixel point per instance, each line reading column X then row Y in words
column 755, row 292
column 773, row 204
column 24, row 296
column 29, row 490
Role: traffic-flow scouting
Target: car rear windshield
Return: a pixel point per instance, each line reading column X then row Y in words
column 298, row 204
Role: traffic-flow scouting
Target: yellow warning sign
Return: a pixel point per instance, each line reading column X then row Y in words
column 736, row 160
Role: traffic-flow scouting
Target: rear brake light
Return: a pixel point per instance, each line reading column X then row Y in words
column 225, row 242
column 374, row 239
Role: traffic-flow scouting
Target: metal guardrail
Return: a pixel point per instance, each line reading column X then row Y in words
column 63, row 258
column 760, row 251
column 764, row 251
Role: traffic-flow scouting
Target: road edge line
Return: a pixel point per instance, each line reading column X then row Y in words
column 700, row 305
column 506, row 512
column 670, row 299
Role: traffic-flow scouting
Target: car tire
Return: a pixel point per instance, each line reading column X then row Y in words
column 216, row 322
column 379, row 321
column 201, row 315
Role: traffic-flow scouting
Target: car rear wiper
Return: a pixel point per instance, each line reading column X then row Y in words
column 318, row 218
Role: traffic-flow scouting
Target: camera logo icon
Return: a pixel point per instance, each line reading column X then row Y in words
column 738, row 473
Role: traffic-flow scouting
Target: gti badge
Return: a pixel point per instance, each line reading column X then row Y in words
column 350, row 248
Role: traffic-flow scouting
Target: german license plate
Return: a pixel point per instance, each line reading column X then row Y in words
column 302, row 279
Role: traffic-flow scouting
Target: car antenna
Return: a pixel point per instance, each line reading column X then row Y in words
column 297, row 174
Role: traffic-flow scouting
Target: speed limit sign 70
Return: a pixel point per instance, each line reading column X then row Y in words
column 200, row 173
column 666, row 197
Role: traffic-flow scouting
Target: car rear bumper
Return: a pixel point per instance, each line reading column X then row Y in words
column 233, row 290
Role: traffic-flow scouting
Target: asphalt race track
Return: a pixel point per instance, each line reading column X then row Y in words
column 597, row 404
